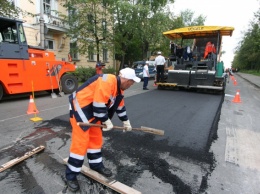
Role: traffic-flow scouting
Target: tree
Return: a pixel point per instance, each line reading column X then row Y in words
column 134, row 28
column 90, row 25
column 247, row 55
column 138, row 24
column 8, row 9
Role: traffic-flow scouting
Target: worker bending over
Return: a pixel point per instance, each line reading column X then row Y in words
column 95, row 101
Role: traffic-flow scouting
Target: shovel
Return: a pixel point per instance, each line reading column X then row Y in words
column 143, row 129
column 53, row 95
column 58, row 81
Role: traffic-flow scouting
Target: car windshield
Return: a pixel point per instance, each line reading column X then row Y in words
column 140, row 65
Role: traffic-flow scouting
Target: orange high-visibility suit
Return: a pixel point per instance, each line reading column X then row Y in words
column 93, row 102
column 210, row 48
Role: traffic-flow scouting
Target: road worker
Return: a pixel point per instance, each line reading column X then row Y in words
column 99, row 67
column 160, row 65
column 95, row 101
column 210, row 50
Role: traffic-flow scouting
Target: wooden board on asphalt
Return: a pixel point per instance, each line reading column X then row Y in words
column 111, row 183
column 20, row 159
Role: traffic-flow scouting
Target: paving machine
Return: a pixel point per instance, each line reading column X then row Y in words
column 195, row 60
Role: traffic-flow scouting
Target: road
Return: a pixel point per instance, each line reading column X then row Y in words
column 181, row 161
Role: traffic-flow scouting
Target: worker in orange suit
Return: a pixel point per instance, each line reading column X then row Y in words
column 99, row 67
column 209, row 49
column 95, row 101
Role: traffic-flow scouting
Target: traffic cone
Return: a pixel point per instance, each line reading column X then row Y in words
column 33, row 110
column 237, row 97
column 232, row 77
column 32, row 107
column 235, row 82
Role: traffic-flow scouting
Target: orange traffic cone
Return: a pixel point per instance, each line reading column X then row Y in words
column 32, row 107
column 235, row 82
column 237, row 97
column 232, row 77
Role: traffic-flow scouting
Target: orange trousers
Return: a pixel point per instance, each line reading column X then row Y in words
column 81, row 140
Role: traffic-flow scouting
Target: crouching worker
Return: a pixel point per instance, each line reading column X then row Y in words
column 95, row 101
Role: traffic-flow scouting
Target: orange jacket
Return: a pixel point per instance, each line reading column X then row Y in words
column 97, row 100
column 210, row 48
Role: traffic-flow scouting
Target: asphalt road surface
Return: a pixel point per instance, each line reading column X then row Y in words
column 178, row 162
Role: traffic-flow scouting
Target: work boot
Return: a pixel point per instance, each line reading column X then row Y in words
column 104, row 171
column 73, row 185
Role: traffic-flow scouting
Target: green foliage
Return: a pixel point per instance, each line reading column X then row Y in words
column 90, row 23
column 247, row 56
column 253, row 72
column 139, row 28
column 84, row 73
column 135, row 27
column 109, row 70
column 8, row 9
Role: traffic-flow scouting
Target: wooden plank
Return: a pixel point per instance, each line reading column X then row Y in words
column 111, row 183
column 20, row 159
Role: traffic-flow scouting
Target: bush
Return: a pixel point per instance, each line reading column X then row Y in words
column 109, row 70
column 84, row 73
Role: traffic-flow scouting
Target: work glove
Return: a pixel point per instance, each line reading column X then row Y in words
column 127, row 125
column 109, row 125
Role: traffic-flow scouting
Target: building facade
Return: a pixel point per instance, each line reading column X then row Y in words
column 53, row 35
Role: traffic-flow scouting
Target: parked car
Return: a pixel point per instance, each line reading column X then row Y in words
column 139, row 65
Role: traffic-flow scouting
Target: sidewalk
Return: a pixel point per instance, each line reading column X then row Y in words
column 236, row 150
column 253, row 79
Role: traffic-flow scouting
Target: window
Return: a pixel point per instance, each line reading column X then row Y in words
column 91, row 23
column 72, row 13
column 104, row 27
column 104, row 3
column 90, row 19
column 47, row 6
column 105, row 58
column 10, row 34
column 91, row 53
column 22, row 35
column 73, row 50
column 49, row 44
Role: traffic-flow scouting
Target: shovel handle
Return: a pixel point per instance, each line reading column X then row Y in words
column 144, row 129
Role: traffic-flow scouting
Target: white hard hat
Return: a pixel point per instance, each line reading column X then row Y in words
column 129, row 73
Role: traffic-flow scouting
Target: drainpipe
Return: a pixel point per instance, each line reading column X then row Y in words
column 41, row 24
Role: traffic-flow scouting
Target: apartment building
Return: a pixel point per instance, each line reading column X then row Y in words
column 54, row 36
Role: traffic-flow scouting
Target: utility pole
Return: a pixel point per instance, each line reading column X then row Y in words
column 41, row 24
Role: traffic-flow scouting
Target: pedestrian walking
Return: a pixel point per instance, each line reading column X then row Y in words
column 95, row 101
column 146, row 75
column 160, row 64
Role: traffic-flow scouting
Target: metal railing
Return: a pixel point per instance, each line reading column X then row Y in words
column 51, row 20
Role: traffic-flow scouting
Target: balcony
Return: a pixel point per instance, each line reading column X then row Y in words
column 53, row 24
